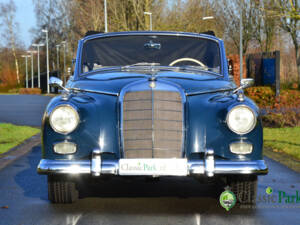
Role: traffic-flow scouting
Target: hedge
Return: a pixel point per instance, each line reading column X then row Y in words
column 30, row 91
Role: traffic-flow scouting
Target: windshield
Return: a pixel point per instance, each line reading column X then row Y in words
column 151, row 50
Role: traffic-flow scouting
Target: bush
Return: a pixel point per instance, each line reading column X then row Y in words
column 281, row 111
column 4, row 88
column 8, row 77
column 289, row 85
column 14, row 90
column 265, row 98
column 278, row 120
column 295, row 86
column 30, row 91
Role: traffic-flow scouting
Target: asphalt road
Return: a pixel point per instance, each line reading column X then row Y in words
column 23, row 193
column 23, row 109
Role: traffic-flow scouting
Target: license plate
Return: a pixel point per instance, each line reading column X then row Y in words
column 156, row 167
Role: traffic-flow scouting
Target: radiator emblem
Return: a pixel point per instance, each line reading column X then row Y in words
column 152, row 84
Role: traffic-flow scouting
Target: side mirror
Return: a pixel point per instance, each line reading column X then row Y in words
column 247, row 82
column 56, row 82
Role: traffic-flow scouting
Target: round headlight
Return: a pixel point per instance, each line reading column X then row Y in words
column 241, row 119
column 64, row 119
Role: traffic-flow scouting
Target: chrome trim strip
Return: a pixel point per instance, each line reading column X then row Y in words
column 152, row 116
column 230, row 167
column 209, row 92
column 94, row 91
column 151, row 33
column 47, row 166
column 196, row 167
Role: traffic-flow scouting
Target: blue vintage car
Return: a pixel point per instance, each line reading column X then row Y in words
column 151, row 104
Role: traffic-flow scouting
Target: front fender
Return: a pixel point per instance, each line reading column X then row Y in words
column 97, row 129
column 207, row 127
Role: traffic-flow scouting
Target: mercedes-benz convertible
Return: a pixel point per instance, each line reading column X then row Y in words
column 151, row 104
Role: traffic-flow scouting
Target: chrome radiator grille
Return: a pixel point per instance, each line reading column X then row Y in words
column 152, row 124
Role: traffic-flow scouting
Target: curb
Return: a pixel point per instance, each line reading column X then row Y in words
column 18, row 151
column 283, row 159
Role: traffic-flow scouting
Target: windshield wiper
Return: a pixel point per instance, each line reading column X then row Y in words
column 140, row 64
column 198, row 68
column 190, row 67
column 103, row 69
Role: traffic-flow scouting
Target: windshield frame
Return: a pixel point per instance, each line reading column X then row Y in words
column 78, row 66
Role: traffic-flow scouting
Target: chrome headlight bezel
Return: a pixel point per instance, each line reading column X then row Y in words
column 245, row 131
column 55, row 127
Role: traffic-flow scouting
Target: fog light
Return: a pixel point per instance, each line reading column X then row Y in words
column 241, row 148
column 65, row 148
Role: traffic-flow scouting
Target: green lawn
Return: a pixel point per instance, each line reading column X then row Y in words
column 12, row 135
column 285, row 140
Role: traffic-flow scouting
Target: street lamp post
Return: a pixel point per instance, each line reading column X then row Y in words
column 105, row 15
column 26, row 57
column 150, row 15
column 57, row 59
column 32, row 80
column 241, row 44
column 64, row 44
column 47, row 53
column 208, row 18
column 38, row 52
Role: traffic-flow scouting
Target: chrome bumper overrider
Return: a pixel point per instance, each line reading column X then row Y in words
column 207, row 167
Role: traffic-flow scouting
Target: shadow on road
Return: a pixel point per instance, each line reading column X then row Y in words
column 33, row 185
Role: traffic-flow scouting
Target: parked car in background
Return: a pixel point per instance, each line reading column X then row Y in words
column 151, row 104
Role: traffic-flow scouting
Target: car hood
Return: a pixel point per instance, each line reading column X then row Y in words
column 191, row 83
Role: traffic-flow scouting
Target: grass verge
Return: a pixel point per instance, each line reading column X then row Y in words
column 9, row 93
column 12, row 135
column 283, row 140
column 283, row 158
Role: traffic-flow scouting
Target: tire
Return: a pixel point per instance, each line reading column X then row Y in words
column 245, row 189
column 62, row 190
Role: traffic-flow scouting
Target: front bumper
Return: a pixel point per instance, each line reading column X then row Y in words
column 96, row 167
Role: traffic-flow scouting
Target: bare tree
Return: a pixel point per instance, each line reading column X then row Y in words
column 52, row 15
column 289, row 14
column 265, row 24
column 7, row 14
column 228, row 14
column 89, row 16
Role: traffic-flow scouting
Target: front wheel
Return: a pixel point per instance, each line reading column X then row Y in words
column 61, row 190
column 244, row 188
